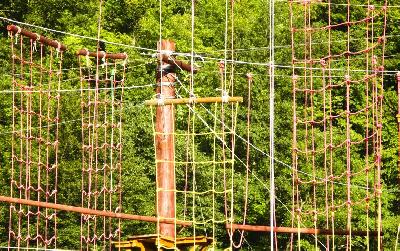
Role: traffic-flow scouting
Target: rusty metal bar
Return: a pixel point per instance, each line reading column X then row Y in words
column 44, row 40
column 101, row 54
column 178, row 63
column 294, row 230
column 180, row 101
column 88, row 211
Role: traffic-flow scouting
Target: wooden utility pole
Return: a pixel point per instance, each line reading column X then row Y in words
column 165, row 139
column 165, row 129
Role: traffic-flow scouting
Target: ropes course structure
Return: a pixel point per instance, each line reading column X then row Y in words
column 202, row 171
column 101, row 112
column 329, row 129
column 181, row 165
column 36, row 73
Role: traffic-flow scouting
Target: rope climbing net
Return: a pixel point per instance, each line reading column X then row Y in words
column 337, row 121
column 102, row 90
column 36, row 77
column 332, row 189
column 195, row 156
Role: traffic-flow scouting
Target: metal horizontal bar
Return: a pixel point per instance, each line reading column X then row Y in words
column 179, row 101
column 295, row 230
column 101, row 54
column 178, row 63
column 44, row 40
column 89, row 211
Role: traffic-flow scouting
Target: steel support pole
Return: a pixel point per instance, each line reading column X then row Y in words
column 88, row 211
column 165, row 140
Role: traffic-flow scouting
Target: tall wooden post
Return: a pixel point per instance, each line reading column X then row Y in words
column 165, row 140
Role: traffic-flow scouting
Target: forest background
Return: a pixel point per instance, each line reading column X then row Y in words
column 136, row 23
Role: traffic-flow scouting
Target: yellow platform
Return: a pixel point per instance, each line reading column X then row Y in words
column 150, row 242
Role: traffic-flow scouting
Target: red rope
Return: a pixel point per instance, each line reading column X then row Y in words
column 33, row 173
column 319, row 147
column 101, row 111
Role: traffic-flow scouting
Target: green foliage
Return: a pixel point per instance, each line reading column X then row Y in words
column 136, row 23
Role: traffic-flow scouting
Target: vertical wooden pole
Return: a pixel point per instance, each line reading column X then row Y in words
column 165, row 140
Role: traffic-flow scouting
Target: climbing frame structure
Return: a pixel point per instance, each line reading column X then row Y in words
column 102, row 88
column 335, row 62
column 36, row 79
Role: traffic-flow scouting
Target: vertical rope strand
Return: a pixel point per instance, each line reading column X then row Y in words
column 271, row 116
column 13, row 140
column 34, row 153
column 294, row 135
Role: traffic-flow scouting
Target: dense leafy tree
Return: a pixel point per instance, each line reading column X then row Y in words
column 136, row 23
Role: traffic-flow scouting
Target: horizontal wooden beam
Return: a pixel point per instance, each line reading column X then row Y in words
column 44, row 40
column 295, row 230
column 180, row 101
column 89, row 211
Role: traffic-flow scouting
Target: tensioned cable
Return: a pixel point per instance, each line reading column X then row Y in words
column 258, row 149
column 287, row 165
column 76, row 35
column 237, row 135
column 235, row 156
column 213, row 59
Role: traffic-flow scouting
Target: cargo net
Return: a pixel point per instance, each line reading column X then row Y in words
column 36, row 77
column 337, row 125
column 102, row 88
column 203, row 161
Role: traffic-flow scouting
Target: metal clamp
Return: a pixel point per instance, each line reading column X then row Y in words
column 169, row 84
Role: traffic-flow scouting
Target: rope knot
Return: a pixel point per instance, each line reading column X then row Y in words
column 160, row 100
column 103, row 59
column 249, row 76
column 166, row 52
column 225, row 96
column 192, row 97
column 17, row 34
column 58, row 49
column 221, row 65
column 347, row 78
